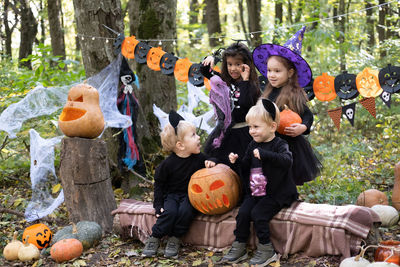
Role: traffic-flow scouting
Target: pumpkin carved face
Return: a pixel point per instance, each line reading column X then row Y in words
column 214, row 190
column 154, row 57
column 368, row 83
column 82, row 116
column 141, row 51
column 389, row 79
column 181, row 70
column 167, row 64
column 323, row 87
column 195, row 76
column 38, row 234
column 345, row 86
column 128, row 47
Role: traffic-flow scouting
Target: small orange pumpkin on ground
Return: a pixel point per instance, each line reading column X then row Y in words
column 372, row 197
column 38, row 234
column 287, row 118
column 383, row 253
column 214, row 190
column 66, row 249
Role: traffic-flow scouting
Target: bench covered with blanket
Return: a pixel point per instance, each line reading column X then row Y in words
column 314, row 229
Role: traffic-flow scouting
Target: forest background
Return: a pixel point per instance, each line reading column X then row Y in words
column 57, row 43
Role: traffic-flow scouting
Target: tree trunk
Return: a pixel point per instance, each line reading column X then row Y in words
column 380, row 28
column 90, row 17
column 241, row 11
column 254, row 9
column 42, row 25
column 278, row 17
column 28, row 32
column 290, row 12
column 370, row 27
column 299, row 12
column 56, row 30
column 213, row 22
column 8, row 30
column 194, row 20
column 341, row 39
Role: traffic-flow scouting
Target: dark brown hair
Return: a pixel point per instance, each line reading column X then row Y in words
column 291, row 94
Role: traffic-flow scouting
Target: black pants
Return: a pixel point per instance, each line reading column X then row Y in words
column 176, row 218
column 260, row 210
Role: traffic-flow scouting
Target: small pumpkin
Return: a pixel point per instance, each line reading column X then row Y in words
column 368, row 83
column 141, row 51
column 287, row 118
column 396, row 187
column 195, row 76
column 10, row 251
column 385, row 253
column 88, row 232
column 372, row 197
column 382, row 264
column 214, row 190
column 181, row 70
column 66, row 249
column 28, row 252
column 38, row 234
column 167, row 64
column 356, row 261
column 128, row 47
column 81, row 115
column 345, row 86
column 153, row 58
column 388, row 215
column 324, row 87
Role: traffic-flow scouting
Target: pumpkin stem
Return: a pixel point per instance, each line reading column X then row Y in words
column 286, row 107
column 26, row 243
column 15, row 236
column 74, row 228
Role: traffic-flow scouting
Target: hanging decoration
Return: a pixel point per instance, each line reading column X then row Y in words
column 181, row 70
column 389, row 79
column 386, row 98
column 324, row 88
column 368, row 83
column 345, row 86
column 167, row 64
column 336, row 115
column 349, row 111
column 128, row 47
column 141, row 51
column 195, row 76
column 369, row 104
column 153, row 58
column 309, row 90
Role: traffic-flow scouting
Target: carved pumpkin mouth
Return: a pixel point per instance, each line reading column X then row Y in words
column 71, row 113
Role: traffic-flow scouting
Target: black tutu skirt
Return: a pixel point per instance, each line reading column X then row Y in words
column 306, row 166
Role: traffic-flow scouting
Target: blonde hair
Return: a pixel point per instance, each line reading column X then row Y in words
column 258, row 112
column 169, row 138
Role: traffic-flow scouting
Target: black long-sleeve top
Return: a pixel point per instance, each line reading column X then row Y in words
column 173, row 176
column 307, row 116
column 276, row 161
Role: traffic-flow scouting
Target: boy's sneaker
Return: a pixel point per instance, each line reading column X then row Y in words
column 264, row 255
column 172, row 247
column 236, row 254
column 151, row 247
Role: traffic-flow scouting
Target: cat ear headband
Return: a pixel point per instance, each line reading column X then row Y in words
column 270, row 107
column 174, row 119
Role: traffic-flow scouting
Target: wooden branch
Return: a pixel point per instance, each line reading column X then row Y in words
column 20, row 214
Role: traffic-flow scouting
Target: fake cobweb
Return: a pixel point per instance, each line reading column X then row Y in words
column 46, row 101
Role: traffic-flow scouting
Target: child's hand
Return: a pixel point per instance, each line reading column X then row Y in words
column 209, row 61
column 233, row 157
column 158, row 214
column 295, row 129
column 245, row 72
column 256, row 153
column 209, row 163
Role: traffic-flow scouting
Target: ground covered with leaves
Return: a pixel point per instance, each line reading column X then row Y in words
column 114, row 251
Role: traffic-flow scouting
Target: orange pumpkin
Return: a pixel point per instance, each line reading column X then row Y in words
column 324, row 87
column 383, row 253
column 153, row 58
column 181, row 70
column 128, row 47
column 214, row 190
column 66, row 249
column 38, row 234
column 367, row 83
column 372, row 197
column 82, row 116
column 287, row 118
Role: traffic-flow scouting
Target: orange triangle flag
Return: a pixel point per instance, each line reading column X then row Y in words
column 369, row 104
column 336, row 115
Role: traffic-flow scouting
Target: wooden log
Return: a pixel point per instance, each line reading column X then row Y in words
column 85, row 177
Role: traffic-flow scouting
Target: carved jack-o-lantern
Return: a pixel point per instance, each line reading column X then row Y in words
column 214, row 190
column 324, row 88
column 167, row 64
column 181, row 70
column 345, row 86
column 38, row 234
column 153, row 58
column 128, row 47
column 195, row 76
column 368, row 83
column 389, row 79
column 141, row 51
column 82, row 116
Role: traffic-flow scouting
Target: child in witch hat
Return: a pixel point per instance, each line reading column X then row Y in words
column 287, row 73
column 173, row 210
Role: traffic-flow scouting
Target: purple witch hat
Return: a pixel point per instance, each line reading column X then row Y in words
column 291, row 50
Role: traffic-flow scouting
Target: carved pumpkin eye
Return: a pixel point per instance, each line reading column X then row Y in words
column 217, row 184
column 197, row 189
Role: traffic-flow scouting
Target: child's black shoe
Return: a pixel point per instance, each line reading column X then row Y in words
column 236, row 254
column 151, row 247
column 172, row 247
column 264, row 255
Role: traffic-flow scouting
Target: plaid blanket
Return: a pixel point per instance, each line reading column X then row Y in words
column 314, row 229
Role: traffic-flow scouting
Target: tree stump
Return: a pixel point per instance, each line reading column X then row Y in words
column 85, row 177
